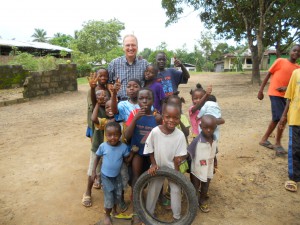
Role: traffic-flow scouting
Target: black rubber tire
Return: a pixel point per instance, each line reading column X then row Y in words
column 175, row 177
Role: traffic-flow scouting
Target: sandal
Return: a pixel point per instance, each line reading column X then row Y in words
column 266, row 144
column 136, row 220
column 123, row 216
column 204, row 208
column 291, row 185
column 86, row 200
column 123, row 206
column 280, row 151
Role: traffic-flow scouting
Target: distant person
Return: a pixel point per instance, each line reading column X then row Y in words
column 113, row 152
column 128, row 66
column 291, row 114
column 280, row 73
column 151, row 82
column 202, row 151
column 170, row 78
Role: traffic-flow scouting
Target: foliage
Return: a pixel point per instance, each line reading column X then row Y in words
column 243, row 19
column 145, row 53
column 62, row 40
column 83, row 70
column 39, row 35
column 46, row 63
column 97, row 38
column 26, row 60
column 82, row 80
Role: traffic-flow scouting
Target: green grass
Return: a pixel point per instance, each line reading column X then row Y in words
column 82, row 80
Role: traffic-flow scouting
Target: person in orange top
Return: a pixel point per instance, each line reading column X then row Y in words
column 280, row 73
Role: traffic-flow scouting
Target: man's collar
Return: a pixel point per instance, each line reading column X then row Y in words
column 125, row 59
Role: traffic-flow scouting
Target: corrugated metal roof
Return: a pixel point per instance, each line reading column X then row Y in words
column 38, row 45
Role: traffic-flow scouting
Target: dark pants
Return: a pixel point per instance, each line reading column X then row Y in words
column 294, row 153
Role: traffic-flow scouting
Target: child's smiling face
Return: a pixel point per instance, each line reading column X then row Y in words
column 113, row 135
column 102, row 76
column 197, row 95
column 150, row 73
column 171, row 117
column 108, row 110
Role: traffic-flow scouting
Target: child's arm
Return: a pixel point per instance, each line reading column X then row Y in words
column 129, row 158
column 113, row 92
column 154, row 167
column 131, row 122
column 260, row 94
column 202, row 100
column 94, row 175
column 220, row 121
column 95, row 114
column 93, row 83
column 283, row 118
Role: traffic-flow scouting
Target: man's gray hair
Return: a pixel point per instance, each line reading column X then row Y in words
column 130, row 35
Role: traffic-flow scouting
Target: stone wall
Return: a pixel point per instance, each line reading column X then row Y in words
column 12, row 76
column 50, row 82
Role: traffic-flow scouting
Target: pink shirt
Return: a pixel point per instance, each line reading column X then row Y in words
column 194, row 122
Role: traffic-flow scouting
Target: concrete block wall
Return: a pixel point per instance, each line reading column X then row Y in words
column 51, row 82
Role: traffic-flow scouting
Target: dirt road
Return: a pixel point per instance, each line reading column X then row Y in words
column 44, row 156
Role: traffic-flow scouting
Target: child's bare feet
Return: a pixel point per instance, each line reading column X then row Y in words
column 107, row 220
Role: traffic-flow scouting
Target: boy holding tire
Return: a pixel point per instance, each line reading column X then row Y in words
column 166, row 145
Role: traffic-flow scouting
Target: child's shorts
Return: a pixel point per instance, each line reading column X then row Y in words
column 89, row 132
column 91, row 164
column 277, row 107
column 112, row 188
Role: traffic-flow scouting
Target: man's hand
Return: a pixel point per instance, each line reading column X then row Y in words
column 177, row 62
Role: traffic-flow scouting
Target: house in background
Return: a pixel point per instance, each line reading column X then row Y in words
column 243, row 60
column 35, row 48
column 188, row 66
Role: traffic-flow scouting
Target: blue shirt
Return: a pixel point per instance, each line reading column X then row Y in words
column 124, row 109
column 170, row 80
column 112, row 158
column 119, row 67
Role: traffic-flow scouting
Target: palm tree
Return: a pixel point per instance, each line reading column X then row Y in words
column 57, row 35
column 39, row 35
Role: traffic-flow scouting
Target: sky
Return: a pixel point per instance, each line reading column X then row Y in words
column 145, row 18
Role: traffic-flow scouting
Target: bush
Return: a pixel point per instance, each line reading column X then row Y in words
column 83, row 70
column 26, row 60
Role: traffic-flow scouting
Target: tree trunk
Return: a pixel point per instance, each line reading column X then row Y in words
column 255, row 65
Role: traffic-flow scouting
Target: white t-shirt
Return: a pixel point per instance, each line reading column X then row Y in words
column 165, row 147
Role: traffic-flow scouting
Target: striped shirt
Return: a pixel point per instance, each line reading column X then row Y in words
column 119, row 67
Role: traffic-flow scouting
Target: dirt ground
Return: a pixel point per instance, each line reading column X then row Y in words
column 44, row 157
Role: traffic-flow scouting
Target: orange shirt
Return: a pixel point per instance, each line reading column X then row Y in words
column 281, row 71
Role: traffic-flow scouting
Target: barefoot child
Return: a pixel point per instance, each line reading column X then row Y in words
column 202, row 151
column 150, row 82
column 291, row 114
column 113, row 152
column 165, row 144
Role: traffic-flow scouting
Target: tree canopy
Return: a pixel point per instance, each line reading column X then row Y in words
column 39, row 35
column 253, row 20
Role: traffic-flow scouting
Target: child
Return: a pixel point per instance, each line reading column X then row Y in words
column 291, row 114
column 280, row 73
column 165, row 144
column 98, row 135
column 150, row 82
column 199, row 96
column 184, row 124
column 122, row 109
column 170, row 78
column 97, row 81
column 138, row 126
column 113, row 152
column 211, row 107
column 202, row 151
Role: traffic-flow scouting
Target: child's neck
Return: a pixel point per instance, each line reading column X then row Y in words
column 133, row 100
column 149, row 82
column 165, row 130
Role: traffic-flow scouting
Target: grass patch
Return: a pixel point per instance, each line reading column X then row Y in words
column 82, row 80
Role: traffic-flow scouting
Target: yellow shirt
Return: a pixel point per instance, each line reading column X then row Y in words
column 293, row 94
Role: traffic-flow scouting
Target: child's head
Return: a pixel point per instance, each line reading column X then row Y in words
column 197, row 94
column 113, row 133
column 150, row 72
column 161, row 60
column 208, row 125
column 108, row 110
column 171, row 116
column 102, row 96
column 133, row 86
column 211, row 98
column 295, row 52
column 102, row 76
column 145, row 99
column 175, row 99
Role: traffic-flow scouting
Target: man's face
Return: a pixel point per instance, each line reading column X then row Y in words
column 130, row 47
column 161, row 61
